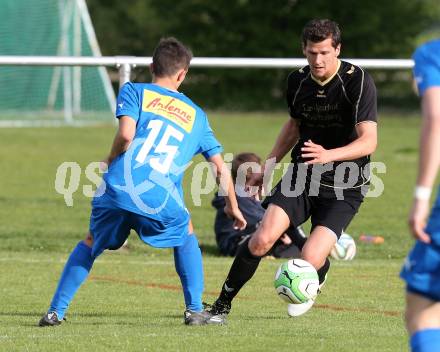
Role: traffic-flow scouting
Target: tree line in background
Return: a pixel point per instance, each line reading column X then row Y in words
column 258, row 28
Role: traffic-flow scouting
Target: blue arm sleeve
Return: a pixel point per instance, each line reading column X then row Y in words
column 427, row 66
column 128, row 103
column 209, row 145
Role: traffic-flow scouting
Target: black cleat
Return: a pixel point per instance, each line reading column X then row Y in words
column 201, row 318
column 50, row 319
column 220, row 309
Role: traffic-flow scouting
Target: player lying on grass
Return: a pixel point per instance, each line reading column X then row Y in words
column 228, row 239
column 160, row 130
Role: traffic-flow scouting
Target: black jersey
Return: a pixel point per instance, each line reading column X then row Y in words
column 329, row 111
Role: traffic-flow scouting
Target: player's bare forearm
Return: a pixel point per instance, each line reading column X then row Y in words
column 119, row 146
column 123, row 138
column 287, row 138
column 429, row 158
column 226, row 185
column 224, row 180
column 429, row 161
column 365, row 144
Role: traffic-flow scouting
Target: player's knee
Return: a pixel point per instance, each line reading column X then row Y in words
column 88, row 241
column 258, row 250
column 416, row 321
column 260, row 244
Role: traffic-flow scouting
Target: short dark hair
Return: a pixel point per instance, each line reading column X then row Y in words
column 318, row 30
column 170, row 56
column 241, row 159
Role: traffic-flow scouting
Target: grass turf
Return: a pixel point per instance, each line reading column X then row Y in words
column 133, row 301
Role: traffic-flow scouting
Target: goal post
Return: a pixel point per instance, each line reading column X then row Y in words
column 52, row 71
column 32, row 95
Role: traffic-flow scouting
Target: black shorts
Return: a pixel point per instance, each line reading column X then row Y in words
column 326, row 209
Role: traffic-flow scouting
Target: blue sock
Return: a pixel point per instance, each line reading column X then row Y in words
column 427, row 340
column 74, row 274
column 188, row 262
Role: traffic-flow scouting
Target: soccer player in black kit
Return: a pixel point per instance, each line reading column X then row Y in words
column 332, row 129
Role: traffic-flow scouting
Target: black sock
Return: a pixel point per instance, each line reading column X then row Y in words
column 243, row 268
column 323, row 270
column 297, row 237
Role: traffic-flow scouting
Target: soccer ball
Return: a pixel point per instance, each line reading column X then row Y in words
column 296, row 281
column 344, row 249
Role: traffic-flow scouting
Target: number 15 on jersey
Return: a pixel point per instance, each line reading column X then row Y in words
column 163, row 147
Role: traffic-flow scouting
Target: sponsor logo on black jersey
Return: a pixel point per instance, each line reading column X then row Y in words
column 321, row 94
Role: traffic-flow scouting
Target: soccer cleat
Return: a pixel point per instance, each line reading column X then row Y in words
column 295, row 310
column 50, row 319
column 219, row 310
column 216, row 319
column 220, row 307
column 201, row 318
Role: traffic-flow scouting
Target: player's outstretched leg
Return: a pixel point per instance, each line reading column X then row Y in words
column 189, row 266
column 422, row 315
column 248, row 257
column 243, row 268
column 75, row 272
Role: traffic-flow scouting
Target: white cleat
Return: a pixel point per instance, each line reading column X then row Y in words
column 295, row 310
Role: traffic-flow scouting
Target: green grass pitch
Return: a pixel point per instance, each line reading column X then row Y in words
column 133, row 301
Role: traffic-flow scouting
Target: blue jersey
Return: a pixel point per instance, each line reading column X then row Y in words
column 170, row 130
column 427, row 65
column 427, row 75
column 422, row 266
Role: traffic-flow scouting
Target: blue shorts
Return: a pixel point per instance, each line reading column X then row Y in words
column 110, row 227
column 421, row 270
column 427, row 66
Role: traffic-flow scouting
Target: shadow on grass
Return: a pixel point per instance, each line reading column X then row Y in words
column 210, row 250
column 85, row 318
column 407, row 150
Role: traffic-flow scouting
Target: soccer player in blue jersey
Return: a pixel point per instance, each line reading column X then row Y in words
column 422, row 266
column 160, row 130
